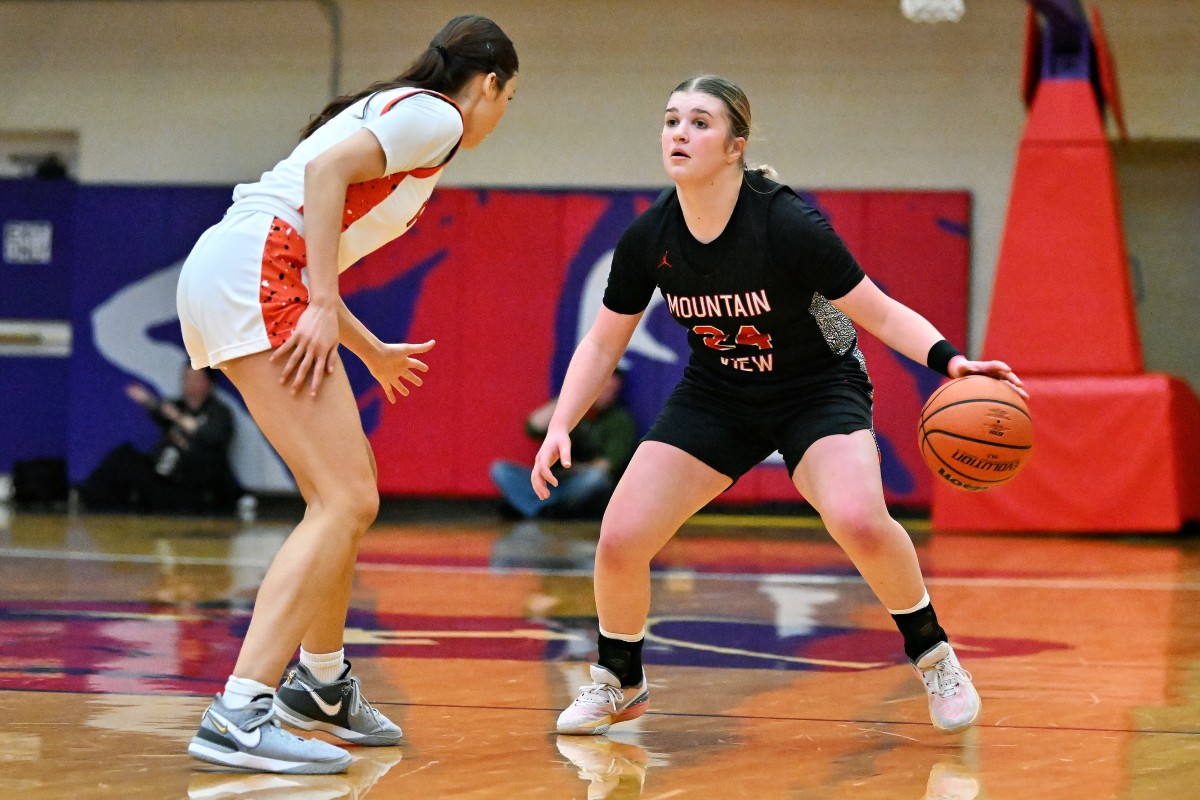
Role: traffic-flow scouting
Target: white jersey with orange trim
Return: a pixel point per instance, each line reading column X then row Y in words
column 418, row 136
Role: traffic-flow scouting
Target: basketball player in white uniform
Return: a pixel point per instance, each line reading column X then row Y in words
column 258, row 298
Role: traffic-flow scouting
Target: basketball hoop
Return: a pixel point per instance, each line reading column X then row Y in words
column 932, row 10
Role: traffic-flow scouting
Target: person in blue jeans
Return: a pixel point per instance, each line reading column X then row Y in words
column 604, row 441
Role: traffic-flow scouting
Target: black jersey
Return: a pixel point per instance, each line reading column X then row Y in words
column 755, row 300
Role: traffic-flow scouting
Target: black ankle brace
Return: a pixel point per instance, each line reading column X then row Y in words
column 921, row 631
column 621, row 658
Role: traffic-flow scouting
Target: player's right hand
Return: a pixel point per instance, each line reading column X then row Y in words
column 312, row 348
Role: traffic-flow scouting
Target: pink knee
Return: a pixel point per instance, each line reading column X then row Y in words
column 864, row 532
column 619, row 551
column 353, row 510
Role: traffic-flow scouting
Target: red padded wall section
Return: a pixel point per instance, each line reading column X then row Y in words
column 1111, row 455
column 501, row 281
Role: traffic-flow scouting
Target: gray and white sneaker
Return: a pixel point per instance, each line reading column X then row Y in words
column 338, row 708
column 251, row 739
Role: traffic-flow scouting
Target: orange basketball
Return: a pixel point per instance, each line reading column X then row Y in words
column 975, row 433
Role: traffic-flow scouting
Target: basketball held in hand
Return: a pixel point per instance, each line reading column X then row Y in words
column 975, row 433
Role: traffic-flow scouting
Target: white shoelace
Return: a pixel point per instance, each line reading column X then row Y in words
column 945, row 676
column 598, row 694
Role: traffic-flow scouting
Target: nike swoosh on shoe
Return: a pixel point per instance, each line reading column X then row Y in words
column 331, row 710
column 248, row 739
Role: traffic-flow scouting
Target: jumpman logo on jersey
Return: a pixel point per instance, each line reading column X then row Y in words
column 664, row 262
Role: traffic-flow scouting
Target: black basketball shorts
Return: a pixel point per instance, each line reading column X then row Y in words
column 732, row 437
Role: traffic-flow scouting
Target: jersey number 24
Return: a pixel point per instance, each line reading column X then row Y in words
column 717, row 339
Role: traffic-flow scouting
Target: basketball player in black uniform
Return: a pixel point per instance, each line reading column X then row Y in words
column 769, row 296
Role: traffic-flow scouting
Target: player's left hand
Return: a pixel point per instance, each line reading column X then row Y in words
column 394, row 364
column 555, row 447
column 961, row 366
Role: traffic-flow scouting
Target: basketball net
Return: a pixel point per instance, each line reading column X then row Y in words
column 932, row 10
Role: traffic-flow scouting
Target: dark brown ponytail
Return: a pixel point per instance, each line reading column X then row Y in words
column 467, row 46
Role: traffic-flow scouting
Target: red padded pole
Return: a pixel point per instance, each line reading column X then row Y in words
column 1061, row 302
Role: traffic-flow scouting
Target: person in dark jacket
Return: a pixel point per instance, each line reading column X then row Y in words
column 604, row 441
column 188, row 469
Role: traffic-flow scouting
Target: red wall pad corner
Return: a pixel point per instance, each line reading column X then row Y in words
column 1061, row 302
column 1111, row 455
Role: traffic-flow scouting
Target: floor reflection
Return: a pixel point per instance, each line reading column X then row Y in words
column 364, row 773
column 614, row 770
column 951, row 781
column 773, row 671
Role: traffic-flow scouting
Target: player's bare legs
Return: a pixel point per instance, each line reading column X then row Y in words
column 327, row 631
column 321, row 441
column 319, row 438
column 306, row 593
column 839, row 476
column 661, row 488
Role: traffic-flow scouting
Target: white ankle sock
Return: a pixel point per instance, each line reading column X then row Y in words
column 240, row 691
column 325, row 667
column 924, row 601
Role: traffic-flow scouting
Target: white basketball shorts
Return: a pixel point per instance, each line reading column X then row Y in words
column 242, row 288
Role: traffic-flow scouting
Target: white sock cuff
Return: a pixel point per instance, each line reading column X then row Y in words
column 240, row 691
column 249, row 685
column 924, row 601
column 322, row 659
column 325, row 667
column 624, row 637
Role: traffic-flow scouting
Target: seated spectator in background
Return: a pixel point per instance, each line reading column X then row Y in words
column 187, row 471
column 602, row 444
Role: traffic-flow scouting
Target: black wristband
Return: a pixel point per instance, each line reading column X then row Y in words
column 939, row 357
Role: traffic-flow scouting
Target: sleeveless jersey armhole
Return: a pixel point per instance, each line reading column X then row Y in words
column 454, row 150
